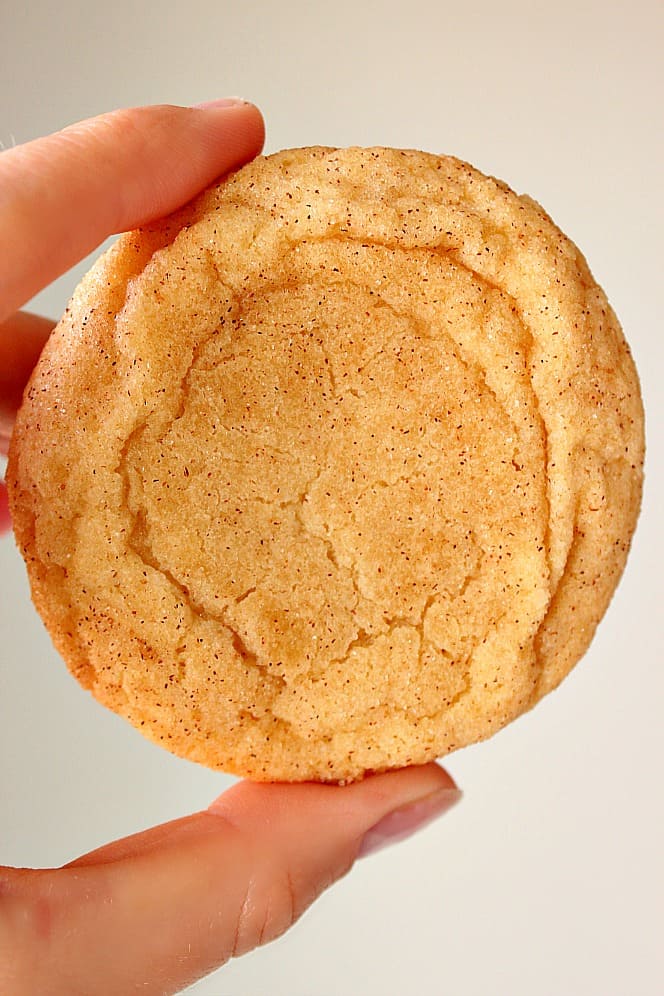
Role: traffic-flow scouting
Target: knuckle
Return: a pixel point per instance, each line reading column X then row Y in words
column 140, row 122
column 270, row 907
column 27, row 914
column 125, row 125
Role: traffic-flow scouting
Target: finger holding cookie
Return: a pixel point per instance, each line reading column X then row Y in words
column 331, row 471
column 164, row 907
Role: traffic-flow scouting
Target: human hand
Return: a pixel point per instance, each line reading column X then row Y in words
column 162, row 908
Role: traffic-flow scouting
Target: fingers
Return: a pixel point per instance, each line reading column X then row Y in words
column 163, row 908
column 62, row 195
column 22, row 339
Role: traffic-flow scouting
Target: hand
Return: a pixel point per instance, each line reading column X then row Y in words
column 162, row 908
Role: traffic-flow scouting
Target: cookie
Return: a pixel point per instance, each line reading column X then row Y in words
column 333, row 471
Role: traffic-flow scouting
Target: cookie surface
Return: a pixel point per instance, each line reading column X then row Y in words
column 335, row 470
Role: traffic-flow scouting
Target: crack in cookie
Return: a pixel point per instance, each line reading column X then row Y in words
column 333, row 471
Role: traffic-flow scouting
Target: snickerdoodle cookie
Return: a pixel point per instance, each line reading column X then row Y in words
column 335, row 470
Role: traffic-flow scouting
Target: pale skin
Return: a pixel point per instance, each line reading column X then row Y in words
column 160, row 909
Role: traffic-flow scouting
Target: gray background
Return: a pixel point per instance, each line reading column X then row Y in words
column 548, row 878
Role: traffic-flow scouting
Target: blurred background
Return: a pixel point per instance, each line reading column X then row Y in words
column 548, row 879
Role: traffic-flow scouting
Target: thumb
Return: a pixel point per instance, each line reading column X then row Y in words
column 165, row 907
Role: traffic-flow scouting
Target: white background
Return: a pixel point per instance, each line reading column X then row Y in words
column 548, row 878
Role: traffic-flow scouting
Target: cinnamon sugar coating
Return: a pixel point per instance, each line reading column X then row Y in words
column 335, row 470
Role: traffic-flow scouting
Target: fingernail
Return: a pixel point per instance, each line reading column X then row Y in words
column 407, row 820
column 209, row 105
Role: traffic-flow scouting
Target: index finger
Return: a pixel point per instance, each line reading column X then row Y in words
column 62, row 195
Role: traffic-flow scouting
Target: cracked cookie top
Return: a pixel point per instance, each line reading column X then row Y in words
column 335, row 470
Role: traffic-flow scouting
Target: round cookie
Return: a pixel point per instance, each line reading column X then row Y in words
column 335, row 470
